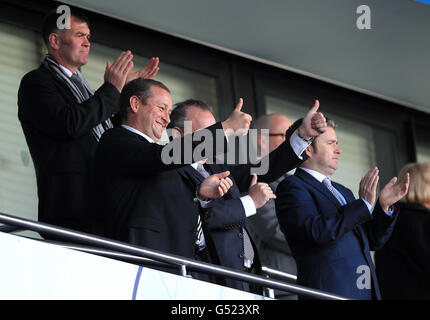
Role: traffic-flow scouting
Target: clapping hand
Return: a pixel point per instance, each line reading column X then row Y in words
column 147, row 72
column 393, row 192
column 368, row 183
column 116, row 73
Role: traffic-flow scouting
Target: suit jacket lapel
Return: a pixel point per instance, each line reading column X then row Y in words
column 317, row 185
column 358, row 230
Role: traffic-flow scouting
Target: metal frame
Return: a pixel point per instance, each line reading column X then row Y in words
column 182, row 263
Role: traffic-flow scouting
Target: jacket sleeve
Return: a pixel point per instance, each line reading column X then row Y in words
column 265, row 224
column 45, row 104
column 124, row 153
column 381, row 226
column 225, row 214
column 278, row 162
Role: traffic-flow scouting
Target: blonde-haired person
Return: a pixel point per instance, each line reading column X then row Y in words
column 403, row 264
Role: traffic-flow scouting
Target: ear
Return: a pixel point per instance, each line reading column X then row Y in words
column 54, row 41
column 134, row 104
column 309, row 150
column 177, row 132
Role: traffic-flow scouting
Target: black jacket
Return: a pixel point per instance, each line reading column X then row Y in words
column 58, row 131
column 403, row 264
column 141, row 199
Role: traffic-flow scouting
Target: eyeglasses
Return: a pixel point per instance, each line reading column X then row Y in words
column 283, row 135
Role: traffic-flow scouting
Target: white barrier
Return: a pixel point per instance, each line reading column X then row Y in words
column 31, row 269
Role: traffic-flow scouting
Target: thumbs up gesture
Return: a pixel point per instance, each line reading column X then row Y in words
column 260, row 192
column 314, row 123
column 215, row 186
column 238, row 122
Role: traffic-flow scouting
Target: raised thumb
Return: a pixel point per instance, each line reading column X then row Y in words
column 222, row 175
column 253, row 180
column 239, row 105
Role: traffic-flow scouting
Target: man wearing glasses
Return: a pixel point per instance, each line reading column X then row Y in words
column 274, row 251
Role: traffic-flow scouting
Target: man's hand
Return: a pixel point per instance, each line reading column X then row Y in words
column 238, row 122
column 215, row 186
column 368, row 183
column 393, row 192
column 314, row 123
column 147, row 72
column 260, row 192
column 116, row 73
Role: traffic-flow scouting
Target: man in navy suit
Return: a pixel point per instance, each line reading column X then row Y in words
column 330, row 232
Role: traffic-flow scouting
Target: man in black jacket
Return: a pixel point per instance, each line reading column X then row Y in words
column 225, row 219
column 141, row 199
column 63, row 118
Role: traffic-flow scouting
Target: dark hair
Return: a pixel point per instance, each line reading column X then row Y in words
column 138, row 87
column 50, row 22
column 179, row 113
column 330, row 123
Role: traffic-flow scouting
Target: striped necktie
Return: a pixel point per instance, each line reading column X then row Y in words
column 105, row 125
column 247, row 245
column 205, row 174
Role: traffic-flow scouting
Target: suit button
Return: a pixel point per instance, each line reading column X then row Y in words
column 240, row 235
column 241, row 255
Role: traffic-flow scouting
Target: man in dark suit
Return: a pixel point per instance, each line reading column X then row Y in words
column 63, row 118
column 224, row 219
column 330, row 232
column 274, row 251
column 142, row 200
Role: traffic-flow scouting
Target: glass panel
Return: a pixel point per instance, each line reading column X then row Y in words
column 19, row 53
column 423, row 152
column 182, row 83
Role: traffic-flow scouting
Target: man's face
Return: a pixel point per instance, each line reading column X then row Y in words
column 74, row 45
column 154, row 115
column 200, row 118
column 324, row 153
column 278, row 125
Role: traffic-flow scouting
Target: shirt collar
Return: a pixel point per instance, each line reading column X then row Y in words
column 66, row 71
column 317, row 175
column 195, row 164
column 138, row 132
